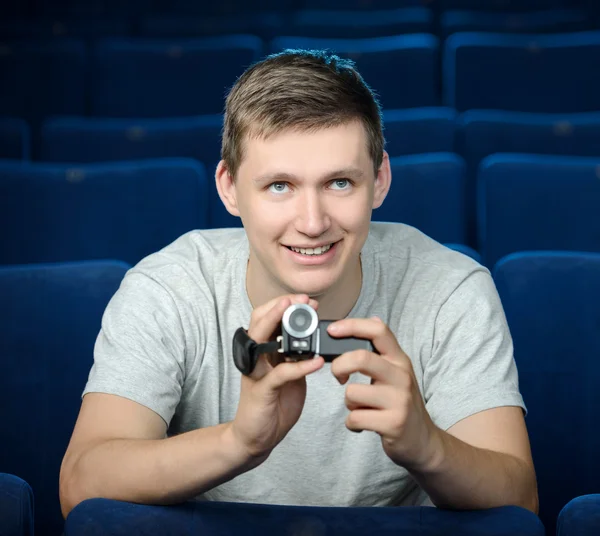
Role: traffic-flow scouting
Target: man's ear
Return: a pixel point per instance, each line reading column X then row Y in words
column 226, row 188
column 383, row 181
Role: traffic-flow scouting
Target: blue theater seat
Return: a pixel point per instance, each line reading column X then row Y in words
column 360, row 24
column 81, row 28
column 15, row 139
column 500, row 5
column 264, row 25
column 530, row 73
column 551, row 304
column 580, row 517
column 359, row 5
column 46, row 77
column 402, row 69
column 427, row 192
column 79, row 139
column 529, row 202
column 480, row 133
column 16, row 506
column 554, row 20
column 419, row 130
column 100, row 516
column 167, row 78
column 49, row 318
column 122, row 210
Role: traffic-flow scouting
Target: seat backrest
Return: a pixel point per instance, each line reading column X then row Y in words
column 49, row 319
column 85, row 139
column 530, row 202
column 551, row 303
column 122, row 210
column 529, row 73
column 419, row 130
column 427, row 192
column 344, row 24
column 480, row 133
column 157, row 78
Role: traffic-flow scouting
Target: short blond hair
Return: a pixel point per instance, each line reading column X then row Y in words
column 304, row 90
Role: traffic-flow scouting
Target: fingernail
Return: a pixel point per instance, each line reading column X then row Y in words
column 332, row 328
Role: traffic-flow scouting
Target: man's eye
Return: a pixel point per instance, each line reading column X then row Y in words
column 341, row 184
column 278, row 187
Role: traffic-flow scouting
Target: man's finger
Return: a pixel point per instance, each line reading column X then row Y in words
column 289, row 372
column 372, row 329
column 365, row 362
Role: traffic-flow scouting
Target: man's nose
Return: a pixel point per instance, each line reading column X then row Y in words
column 312, row 218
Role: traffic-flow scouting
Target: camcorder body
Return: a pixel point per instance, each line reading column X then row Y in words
column 304, row 336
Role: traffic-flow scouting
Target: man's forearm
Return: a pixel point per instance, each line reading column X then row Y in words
column 467, row 477
column 162, row 471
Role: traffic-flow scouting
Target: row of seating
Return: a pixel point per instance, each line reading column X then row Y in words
column 136, row 7
column 126, row 210
column 161, row 78
column 50, row 316
column 307, row 23
column 473, row 135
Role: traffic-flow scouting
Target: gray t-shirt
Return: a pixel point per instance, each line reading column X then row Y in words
column 166, row 341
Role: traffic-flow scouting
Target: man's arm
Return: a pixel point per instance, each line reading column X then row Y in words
column 482, row 461
column 118, row 450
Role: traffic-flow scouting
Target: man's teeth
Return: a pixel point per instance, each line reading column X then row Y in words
column 312, row 251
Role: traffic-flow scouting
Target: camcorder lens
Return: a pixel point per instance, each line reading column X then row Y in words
column 300, row 320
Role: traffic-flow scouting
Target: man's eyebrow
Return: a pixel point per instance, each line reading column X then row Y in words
column 280, row 176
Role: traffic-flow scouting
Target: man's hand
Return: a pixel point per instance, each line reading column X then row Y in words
column 392, row 404
column 272, row 397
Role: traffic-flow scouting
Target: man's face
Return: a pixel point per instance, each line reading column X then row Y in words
column 297, row 191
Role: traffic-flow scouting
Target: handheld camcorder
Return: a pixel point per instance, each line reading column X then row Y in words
column 303, row 336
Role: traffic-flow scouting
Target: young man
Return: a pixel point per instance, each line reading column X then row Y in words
column 167, row 417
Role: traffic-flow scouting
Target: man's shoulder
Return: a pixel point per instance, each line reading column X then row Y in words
column 198, row 256
column 411, row 248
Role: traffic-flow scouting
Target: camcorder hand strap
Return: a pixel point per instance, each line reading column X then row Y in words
column 246, row 351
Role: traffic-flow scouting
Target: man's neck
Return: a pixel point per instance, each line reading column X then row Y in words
column 336, row 303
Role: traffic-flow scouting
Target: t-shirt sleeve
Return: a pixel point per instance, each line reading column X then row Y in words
column 140, row 351
column 472, row 367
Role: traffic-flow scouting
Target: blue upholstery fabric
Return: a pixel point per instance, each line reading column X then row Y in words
column 49, row 319
column 99, row 139
column 427, row 192
column 46, row 77
column 551, row 303
column 15, row 139
column 360, row 4
column 580, row 517
column 83, row 139
column 52, row 212
column 419, row 130
column 466, row 250
column 264, row 25
column 103, row 517
column 361, row 24
column 528, row 202
column 16, row 506
column 155, row 78
column 402, row 68
column 555, row 20
column 480, row 133
column 500, row 5
column 81, row 28
column 516, row 72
